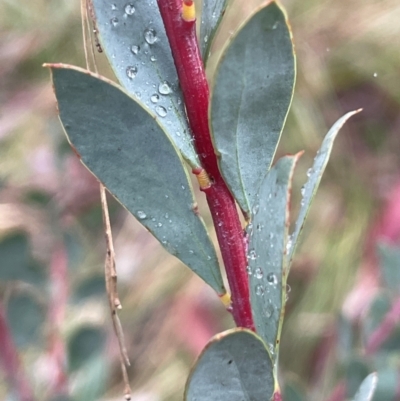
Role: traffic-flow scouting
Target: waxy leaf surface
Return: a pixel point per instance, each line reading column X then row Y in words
column 268, row 236
column 314, row 178
column 234, row 366
column 133, row 37
column 250, row 98
column 211, row 15
column 367, row 388
column 124, row 146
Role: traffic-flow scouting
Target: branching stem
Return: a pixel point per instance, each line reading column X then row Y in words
column 185, row 51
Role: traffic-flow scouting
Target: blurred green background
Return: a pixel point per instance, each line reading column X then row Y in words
column 50, row 217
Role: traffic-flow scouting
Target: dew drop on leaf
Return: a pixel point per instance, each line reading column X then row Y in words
column 252, row 255
column 309, row 172
column 256, row 208
column 142, row 215
column 272, row 279
column 135, row 49
column 153, row 58
column 164, row 88
column 129, row 9
column 258, row 273
column 161, row 111
column 114, row 21
column 150, row 36
column 155, row 98
column 113, row 6
column 131, row 71
column 260, row 290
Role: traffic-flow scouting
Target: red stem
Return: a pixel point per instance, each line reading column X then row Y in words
column 385, row 329
column 185, row 51
column 9, row 360
column 58, row 302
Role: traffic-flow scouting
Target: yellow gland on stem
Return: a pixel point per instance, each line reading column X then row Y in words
column 202, row 178
column 226, row 300
column 188, row 11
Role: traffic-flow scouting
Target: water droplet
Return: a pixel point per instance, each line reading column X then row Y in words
column 208, row 257
column 166, row 215
column 150, row 36
column 303, row 190
column 164, row 88
column 113, row 7
column 256, row 209
column 259, row 290
column 258, row 273
column 269, row 309
column 289, row 244
column 161, row 111
column 114, row 21
column 142, row 215
column 131, row 71
column 153, row 219
column 155, row 98
column 271, row 235
column 159, row 224
column 129, row 9
column 206, row 39
column 271, row 348
column 135, row 49
column 183, row 187
column 138, row 95
column 153, row 58
column 272, row 279
column 178, row 133
column 252, row 255
column 309, row 172
column 275, row 25
column 249, row 229
column 191, row 252
column 248, row 270
column 375, row 74
column 167, row 196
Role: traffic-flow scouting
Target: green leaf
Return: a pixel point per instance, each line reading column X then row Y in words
column 86, row 343
column 211, row 16
column 356, row 371
column 235, row 366
column 16, row 263
column 268, row 238
column 93, row 286
column 367, row 388
column 133, row 37
column 314, row 178
column 390, row 262
column 387, row 386
column 25, row 318
column 293, row 392
column 251, row 94
column 124, row 146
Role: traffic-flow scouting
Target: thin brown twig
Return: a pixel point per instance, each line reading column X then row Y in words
column 109, row 265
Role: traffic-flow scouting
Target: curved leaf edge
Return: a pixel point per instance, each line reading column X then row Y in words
column 329, row 137
column 367, row 388
column 218, row 337
column 221, row 291
column 206, row 51
column 246, row 208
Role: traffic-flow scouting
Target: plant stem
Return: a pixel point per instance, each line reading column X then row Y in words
column 185, row 51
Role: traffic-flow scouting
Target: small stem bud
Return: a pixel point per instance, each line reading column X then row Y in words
column 188, row 11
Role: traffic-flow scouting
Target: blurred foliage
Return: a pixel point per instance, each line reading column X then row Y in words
column 51, row 229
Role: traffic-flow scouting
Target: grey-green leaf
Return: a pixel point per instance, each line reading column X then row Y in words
column 211, row 16
column 133, row 37
column 367, row 388
column 124, row 146
column 235, row 366
column 314, row 178
column 251, row 94
column 25, row 317
column 267, row 250
column 390, row 262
